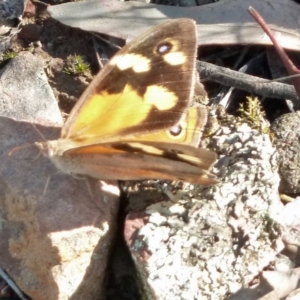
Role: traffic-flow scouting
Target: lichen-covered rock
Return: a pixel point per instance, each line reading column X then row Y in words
column 287, row 133
column 213, row 241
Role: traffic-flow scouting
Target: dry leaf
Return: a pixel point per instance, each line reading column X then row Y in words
column 224, row 22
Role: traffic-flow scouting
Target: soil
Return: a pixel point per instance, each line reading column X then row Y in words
column 55, row 46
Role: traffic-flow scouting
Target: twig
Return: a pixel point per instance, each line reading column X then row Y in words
column 291, row 68
column 246, row 82
column 12, row 285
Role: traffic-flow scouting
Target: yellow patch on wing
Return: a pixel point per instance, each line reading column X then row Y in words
column 147, row 149
column 190, row 131
column 175, row 58
column 160, row 97
column 104, row 115
column 190, row 159
column 137, row 62
column 96, row 149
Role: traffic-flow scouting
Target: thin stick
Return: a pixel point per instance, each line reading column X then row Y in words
column 12, row 285
column 246, row 82
column 291, row 68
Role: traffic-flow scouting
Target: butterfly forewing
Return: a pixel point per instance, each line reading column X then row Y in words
column 145, row 87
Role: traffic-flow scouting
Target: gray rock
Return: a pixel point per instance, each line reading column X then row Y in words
column 287, row 132
column 56, row 231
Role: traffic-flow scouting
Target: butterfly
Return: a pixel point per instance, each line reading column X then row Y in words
column 135, row 120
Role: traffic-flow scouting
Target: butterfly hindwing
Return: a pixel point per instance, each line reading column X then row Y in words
column 137, row 161
column 187, row 131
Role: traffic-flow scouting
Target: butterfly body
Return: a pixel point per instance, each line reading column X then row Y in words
column 135, row 120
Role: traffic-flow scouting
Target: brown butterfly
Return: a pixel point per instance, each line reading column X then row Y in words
column 135, row 120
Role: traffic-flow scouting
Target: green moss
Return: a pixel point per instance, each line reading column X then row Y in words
column 7, row 55
column 253, row 114
column 76, row 65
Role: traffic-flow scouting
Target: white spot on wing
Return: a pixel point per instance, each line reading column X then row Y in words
column 175, row 58
column 160, row 97
column 136, row 62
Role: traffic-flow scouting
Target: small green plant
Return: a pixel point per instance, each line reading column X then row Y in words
column 254, row 114
column 76, row 65
column 8, row 55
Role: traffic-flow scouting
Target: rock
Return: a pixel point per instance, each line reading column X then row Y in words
column 25, row 93
column 287, row 132
column 56, row 231
column 10, row 20
column 30, row 32
column 30, row 10
column 208, row 243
